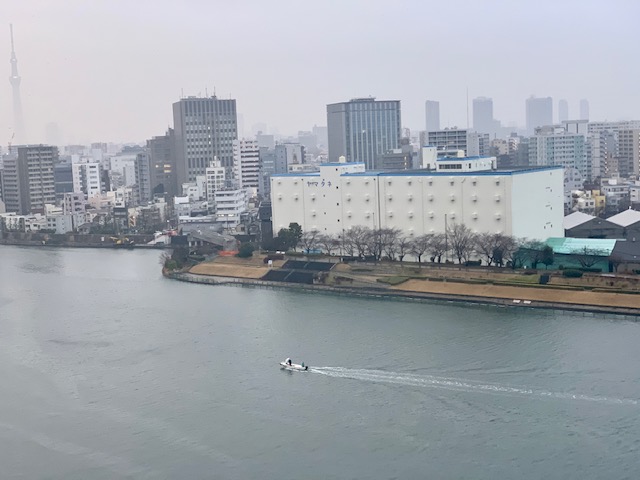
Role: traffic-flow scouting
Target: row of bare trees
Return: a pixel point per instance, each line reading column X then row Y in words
column 459, row 243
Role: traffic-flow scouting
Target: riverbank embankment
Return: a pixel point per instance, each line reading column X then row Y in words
column 77, row 240
column 618, row 295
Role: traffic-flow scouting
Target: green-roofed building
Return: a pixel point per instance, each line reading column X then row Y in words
column 581, row 252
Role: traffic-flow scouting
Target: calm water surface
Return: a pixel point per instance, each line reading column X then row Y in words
column 109, row 371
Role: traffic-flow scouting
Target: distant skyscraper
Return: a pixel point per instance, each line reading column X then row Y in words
column 563, row 111
column 584, row 109
column 362, row 129
column 14, row 79
column 539, row 112
column 28, row 179
column 204, row 129
column 483, row 121
column 432, row 115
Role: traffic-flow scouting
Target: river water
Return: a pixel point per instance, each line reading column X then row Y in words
column 110, row 371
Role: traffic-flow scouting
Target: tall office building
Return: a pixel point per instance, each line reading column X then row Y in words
column 362, row 129
column 584, row 109
column 483, row 121
column 432, row 115
column 28, row 179
column 204, row 130
column 142, row 165
column 163, row 164
column 563, row 111
column 539, row 113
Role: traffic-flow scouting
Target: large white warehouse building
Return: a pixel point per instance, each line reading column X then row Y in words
column 522, row 202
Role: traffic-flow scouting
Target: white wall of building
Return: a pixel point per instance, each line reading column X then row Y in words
column 230, row 204
column 215, row 180
column 526, row 203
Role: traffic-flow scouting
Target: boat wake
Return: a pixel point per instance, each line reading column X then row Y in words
column 429, row 381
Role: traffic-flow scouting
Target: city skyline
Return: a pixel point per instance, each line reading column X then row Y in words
column 87, row 83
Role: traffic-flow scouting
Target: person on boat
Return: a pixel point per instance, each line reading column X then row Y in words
column 288, row 361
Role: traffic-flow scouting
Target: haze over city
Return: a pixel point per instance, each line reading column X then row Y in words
column 110, row 70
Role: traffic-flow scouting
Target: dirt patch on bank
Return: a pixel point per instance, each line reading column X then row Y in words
column 523, row 293
column 229, row 270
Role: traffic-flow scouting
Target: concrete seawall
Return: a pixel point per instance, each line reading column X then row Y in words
column 73, row 240
column 587, row 310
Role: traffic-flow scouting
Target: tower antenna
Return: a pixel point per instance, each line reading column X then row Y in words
column 14, row 80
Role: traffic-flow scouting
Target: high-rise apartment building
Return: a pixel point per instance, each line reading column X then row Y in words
column 204, row 129
column 613, row 126
column 246, row 166
column 563, row 111
column 87, row 178
column 362, row 129
column 539, row 113
column 629, row 152
column 553, row 145
column 451, row 139
column 216, row 179
column 432, row 115
column 28, row 179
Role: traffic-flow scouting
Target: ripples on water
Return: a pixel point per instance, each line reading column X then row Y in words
column 429, row 381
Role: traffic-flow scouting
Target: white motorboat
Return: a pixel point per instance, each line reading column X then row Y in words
column 288, row 365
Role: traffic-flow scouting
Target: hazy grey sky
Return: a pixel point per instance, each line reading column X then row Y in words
column 109, row 70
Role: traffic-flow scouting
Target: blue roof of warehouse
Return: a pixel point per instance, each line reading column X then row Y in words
column 426, row 173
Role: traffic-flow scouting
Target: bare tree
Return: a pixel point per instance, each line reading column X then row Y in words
column 588, row 257
column 390, row 237
column 486, row 245
column 404, row 246
column 492, row 246
column 504, row 249
column 329, row 243
column 462, row 241
column 533, row 252
column 309, row 240
column 357, row 238
column 420, row 245
column 513, row 251
column 375, row 243
column 437, row 247
column 347, row 244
